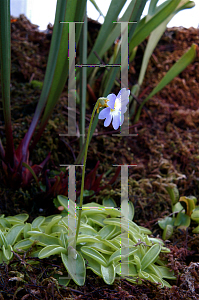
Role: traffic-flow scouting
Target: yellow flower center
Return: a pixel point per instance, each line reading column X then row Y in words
column 102, row 105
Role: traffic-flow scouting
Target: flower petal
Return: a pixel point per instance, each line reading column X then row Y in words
column 123, row 109
column 104, row 113
column 121, row 119
column 111, row 102
column 107, row 122
column 116, row 121
column 117, row 105
column 124, row 96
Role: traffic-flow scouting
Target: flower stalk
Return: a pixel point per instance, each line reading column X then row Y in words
column 84, row 167
column 117, row 107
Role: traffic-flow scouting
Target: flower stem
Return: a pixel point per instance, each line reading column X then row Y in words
column 84, row 167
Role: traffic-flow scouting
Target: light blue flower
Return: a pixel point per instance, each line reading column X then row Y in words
column 115, row 108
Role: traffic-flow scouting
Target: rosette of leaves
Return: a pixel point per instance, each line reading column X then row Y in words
column 109, row 243
column 183, row 211
column 11, row 229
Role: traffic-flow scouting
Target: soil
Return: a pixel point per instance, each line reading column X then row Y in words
column 166, row 150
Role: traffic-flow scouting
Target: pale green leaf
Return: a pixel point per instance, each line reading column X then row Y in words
column 166, row 273
column 75, row 267
column 51, row 250
column 101, row 247
column 4, row 223
column 127, row 209
column 195, row 215
column 109, row 202
column 23, row 244
column 93, row 265
column 87, row 239
column 166, row 221
column 108, row 273
column 107, row 232
column 167, row 233
column 54, row 221
column 68, row 204
column 182, row 220
column 18, row 219
column 27, row 227
column 44, row 239
column 87, row 229
column 143, row 31
column 97, row 219
column 196, row 230
column 3, row 240
column 150, row 256
column 38, row 221
column 122, row 253
column 14, row 233
column 126, row 269
column 94, row 254
column 7, row 252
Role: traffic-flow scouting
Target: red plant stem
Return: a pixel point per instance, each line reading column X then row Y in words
column 38, row 135
column 22, row 149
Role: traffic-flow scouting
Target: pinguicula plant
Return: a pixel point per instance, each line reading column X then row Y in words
column 184, row 210
column 105, row 240
column 103, row 237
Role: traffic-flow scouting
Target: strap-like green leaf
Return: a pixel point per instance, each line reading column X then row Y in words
column 54, row 221
column 97, row 7
column 108, row 273
column 175, row 70
column 182, row 220
column 126, row 269
column 150, row 256
column 23, row 244
column 109, row 202
column 3, row 240
column 94, row 254
column 18, row 219
column 44, row 239
column 156, row 34
column 101, row 247
column 38, row 221
column 149, row 26
column 107, row 232
column 87, row 229
column 117, row 255
column 87, row 239
column 166, row 273
column 127, row 209
column 7, row 252
column 68, row 204
column 167, row 233
column 4, row 223
column 75, row 267
column 51, row 250
column 5, row 60
column 97, row 219
column 14, row 233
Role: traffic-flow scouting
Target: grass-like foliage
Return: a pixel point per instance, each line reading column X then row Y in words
column 15, row 162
